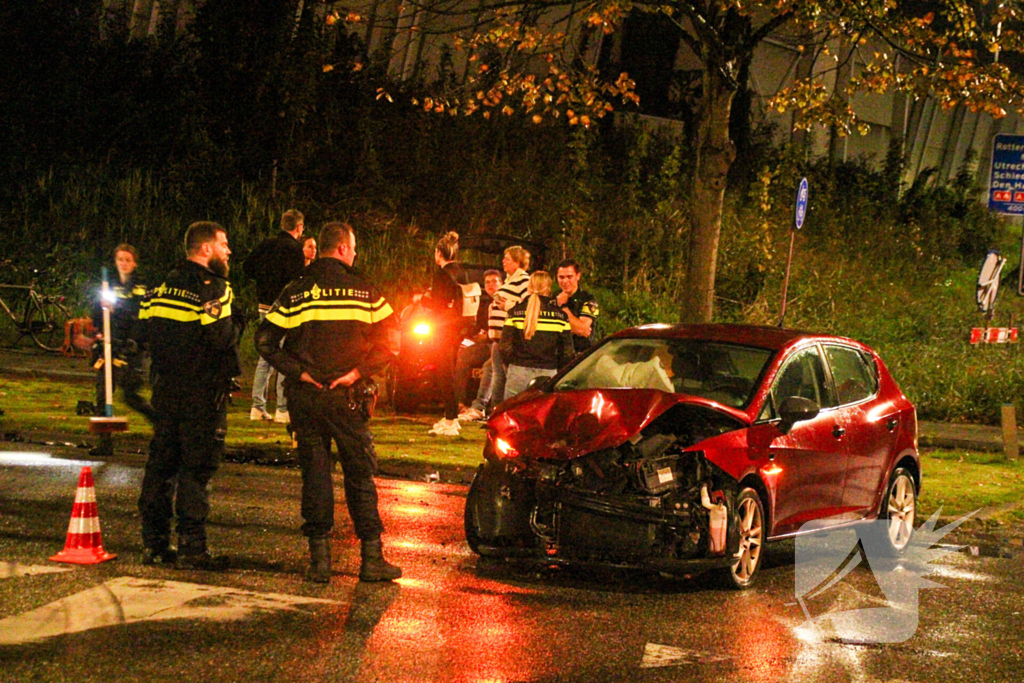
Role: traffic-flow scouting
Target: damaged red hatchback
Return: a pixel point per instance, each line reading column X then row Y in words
column 685, row 448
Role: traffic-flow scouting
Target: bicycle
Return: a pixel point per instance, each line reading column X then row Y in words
column 40, row 316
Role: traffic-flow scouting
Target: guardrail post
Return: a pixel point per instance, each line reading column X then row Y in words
column 1010, row 446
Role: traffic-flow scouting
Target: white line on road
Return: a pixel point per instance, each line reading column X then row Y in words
column 126, row 600
column 656, row 656
column 12, row 570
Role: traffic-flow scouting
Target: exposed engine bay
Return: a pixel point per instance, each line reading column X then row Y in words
column 654, row 500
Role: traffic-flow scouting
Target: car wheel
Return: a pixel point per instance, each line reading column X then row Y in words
column 750, row 522
column 497, row 516
column 898, row 510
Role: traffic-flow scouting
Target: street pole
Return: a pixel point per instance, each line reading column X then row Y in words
column 785, row 282
column 799, row 214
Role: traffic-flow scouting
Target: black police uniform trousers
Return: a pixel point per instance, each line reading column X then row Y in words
column 319, row 417
column 128, row 377
column 188, row 441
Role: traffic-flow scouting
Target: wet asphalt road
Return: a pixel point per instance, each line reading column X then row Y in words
column 452, row 617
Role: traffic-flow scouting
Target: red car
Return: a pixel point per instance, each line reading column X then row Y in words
column 684, row 448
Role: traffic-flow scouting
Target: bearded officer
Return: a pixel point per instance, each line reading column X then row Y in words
column 193, row 338
column 337, row 331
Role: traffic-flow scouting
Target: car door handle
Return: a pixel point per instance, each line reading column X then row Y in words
column 892, row 424
column 838, row 431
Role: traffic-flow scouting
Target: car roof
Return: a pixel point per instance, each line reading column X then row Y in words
column 772, row 338
column 496, row 244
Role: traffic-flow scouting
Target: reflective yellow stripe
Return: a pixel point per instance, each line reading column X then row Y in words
column 168, row 313
column 542, row 324
column 225, row 308
column 138, row 290
column 176, row 303
column 206, row 319
column 357, row 311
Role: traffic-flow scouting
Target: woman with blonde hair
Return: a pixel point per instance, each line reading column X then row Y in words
column 536, row 340
column 445, row 297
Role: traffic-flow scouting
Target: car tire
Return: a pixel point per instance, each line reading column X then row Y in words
column 751, row 527
column 898, row 511
column 497, row 515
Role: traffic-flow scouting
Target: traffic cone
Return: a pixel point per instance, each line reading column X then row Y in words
column 84, row 545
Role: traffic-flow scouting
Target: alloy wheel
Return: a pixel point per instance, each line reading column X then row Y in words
column 901, row 509
column 751, row 528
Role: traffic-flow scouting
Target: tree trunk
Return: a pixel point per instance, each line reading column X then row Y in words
column 715, row 154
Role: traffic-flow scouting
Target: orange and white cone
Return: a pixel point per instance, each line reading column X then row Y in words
column 84, row 545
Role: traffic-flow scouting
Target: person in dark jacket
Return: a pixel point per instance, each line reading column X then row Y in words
column 126, row 294
column 193, row 332
column 445, row 298
column 537, row 339
column 273, row 264
column 328, row 333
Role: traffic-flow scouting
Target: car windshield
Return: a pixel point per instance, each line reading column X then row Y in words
column 726, row 373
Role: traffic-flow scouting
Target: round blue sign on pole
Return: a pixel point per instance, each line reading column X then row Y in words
column 801, row 204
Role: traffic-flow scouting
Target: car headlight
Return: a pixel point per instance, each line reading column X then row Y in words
column 421, row 329
column 505, row 449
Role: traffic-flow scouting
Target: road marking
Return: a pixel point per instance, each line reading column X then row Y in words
column 126, row 600
column 665, row 655
column 12, row 570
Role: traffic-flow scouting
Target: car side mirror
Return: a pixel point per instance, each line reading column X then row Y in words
column 537, row 383
column 796, row 409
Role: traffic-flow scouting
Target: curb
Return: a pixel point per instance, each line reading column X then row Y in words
column 954, row 443
column 40, row 373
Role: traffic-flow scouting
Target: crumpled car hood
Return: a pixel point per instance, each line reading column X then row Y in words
column 566, row 425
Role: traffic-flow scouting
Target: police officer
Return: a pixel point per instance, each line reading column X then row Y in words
column 337, row 332
column 580, row 306
column 127, row 294
column 193, row 334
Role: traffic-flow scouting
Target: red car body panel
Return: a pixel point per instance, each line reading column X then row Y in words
column 835, row 465
column 562, row 426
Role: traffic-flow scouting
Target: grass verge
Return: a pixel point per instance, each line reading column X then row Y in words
column 44, row 411
column 40, row 410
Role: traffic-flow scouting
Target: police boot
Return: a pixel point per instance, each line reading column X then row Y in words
column 319, row 561
column 375, row 567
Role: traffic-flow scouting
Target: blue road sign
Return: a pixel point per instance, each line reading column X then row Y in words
column 1006, row 184
column 801, row 204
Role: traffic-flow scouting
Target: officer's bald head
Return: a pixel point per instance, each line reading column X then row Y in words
column 334, row 236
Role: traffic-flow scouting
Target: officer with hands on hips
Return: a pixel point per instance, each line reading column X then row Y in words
column 193, row 333
column 337, row 332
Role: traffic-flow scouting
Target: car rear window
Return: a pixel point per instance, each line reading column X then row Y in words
column 854, row 377
column 726, row 373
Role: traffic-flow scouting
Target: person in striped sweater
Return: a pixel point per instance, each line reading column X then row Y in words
column 515, row 263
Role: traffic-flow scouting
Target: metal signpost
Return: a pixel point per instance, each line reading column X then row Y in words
column 799, row 214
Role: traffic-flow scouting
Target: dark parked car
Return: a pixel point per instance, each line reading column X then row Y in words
column 685, row 448
column 415, row 370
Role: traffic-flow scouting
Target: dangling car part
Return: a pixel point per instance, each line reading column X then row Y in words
column 687, row 448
